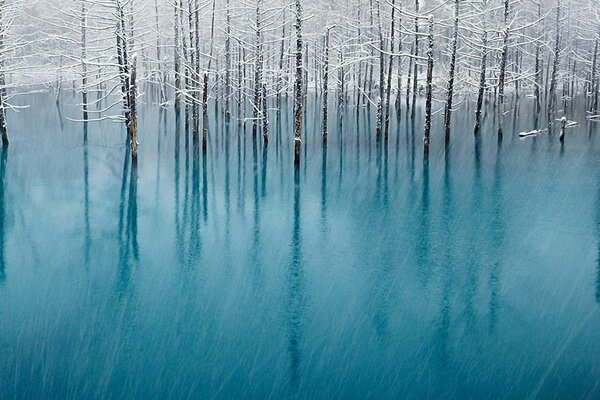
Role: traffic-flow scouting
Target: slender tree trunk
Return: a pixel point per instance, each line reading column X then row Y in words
column 3, row 128
column 399, row 92
column 411, row 63
column 555, row 65
column 159, row 71
column 227, row 63
column 481, row 91
column 194, row 77
column 132, row 123
column 593, row 79
column 265, row 116
column 538, row 72
column 205, row 86
column 257, row 74
column 380, row 102
column 84, row 94
column 177, row 61
column 370, row 64
column 448, row 108
column 187, row 55
column 429, row 88
column 359, row 95
column 298, row 86
column 281, row 58
column 502, row 77
column 386, row 134
column 325, row 86
column 415, row 67
column 122, row 59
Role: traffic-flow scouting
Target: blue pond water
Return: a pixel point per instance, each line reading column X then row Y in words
column 370, row 273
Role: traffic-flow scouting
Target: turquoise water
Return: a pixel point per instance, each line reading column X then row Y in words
column 369, row 273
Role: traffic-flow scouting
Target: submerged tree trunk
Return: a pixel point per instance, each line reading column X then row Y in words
column 195, row 67
column 502, row 76
column 256, row 114
column 205, row 82
column 84, row 95
column 132, row 123
column 481, row 91
column 128, row 77
column 428, row 95
column 386, row 134
column 265, row 116
column 399, row 83
column 594, row 79
column 298, row 86
column 177, row 62
column 380, row 102
column 280, row 72
column 159, row 70
column 325, row 85
column 538, row 72
column 415, row 66
column 448, row 108
column 227, row 63
column 552, row 92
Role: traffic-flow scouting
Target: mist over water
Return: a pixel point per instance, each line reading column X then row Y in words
column 369, row 272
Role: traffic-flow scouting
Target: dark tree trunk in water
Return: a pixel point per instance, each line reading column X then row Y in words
column 132, row 123
column 386, row 134
column 205, row 112
column 415, row 66
column 428, row 94
column 128, row 77
column 265, row 115
column 177, row 62
column 257, row 75
column 280, row 72
column 325, row 86
column 594, row 79
column 481, row 91
column 502, row 76
column 563, row 126
column 538, row 72
column 552, row 92
column 195, row 51
column 205, row 83
column 380, row 103
column 448, row 108
column 227, row 63
column 298, row 86
column 84, row 95
column 399, row 92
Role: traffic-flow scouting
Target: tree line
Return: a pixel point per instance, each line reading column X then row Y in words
column 252, row 59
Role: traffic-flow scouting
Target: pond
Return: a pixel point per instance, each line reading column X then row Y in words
column 370, row 272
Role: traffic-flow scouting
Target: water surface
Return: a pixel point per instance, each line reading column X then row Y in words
column 371, row 272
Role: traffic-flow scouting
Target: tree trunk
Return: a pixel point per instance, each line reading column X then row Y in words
column 132, row 123
column 325, row 86
column 386, row 134
column 257, row 74
column 448, row 108
column 481, row 91
column 227, row 63
column 502, row 77
column 298, row 86
column 177, row 62
column 84, row 95
column 428, row 95
column 555, row 65
column 415, row 67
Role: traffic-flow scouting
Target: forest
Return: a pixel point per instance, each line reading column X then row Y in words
column 246, row 56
